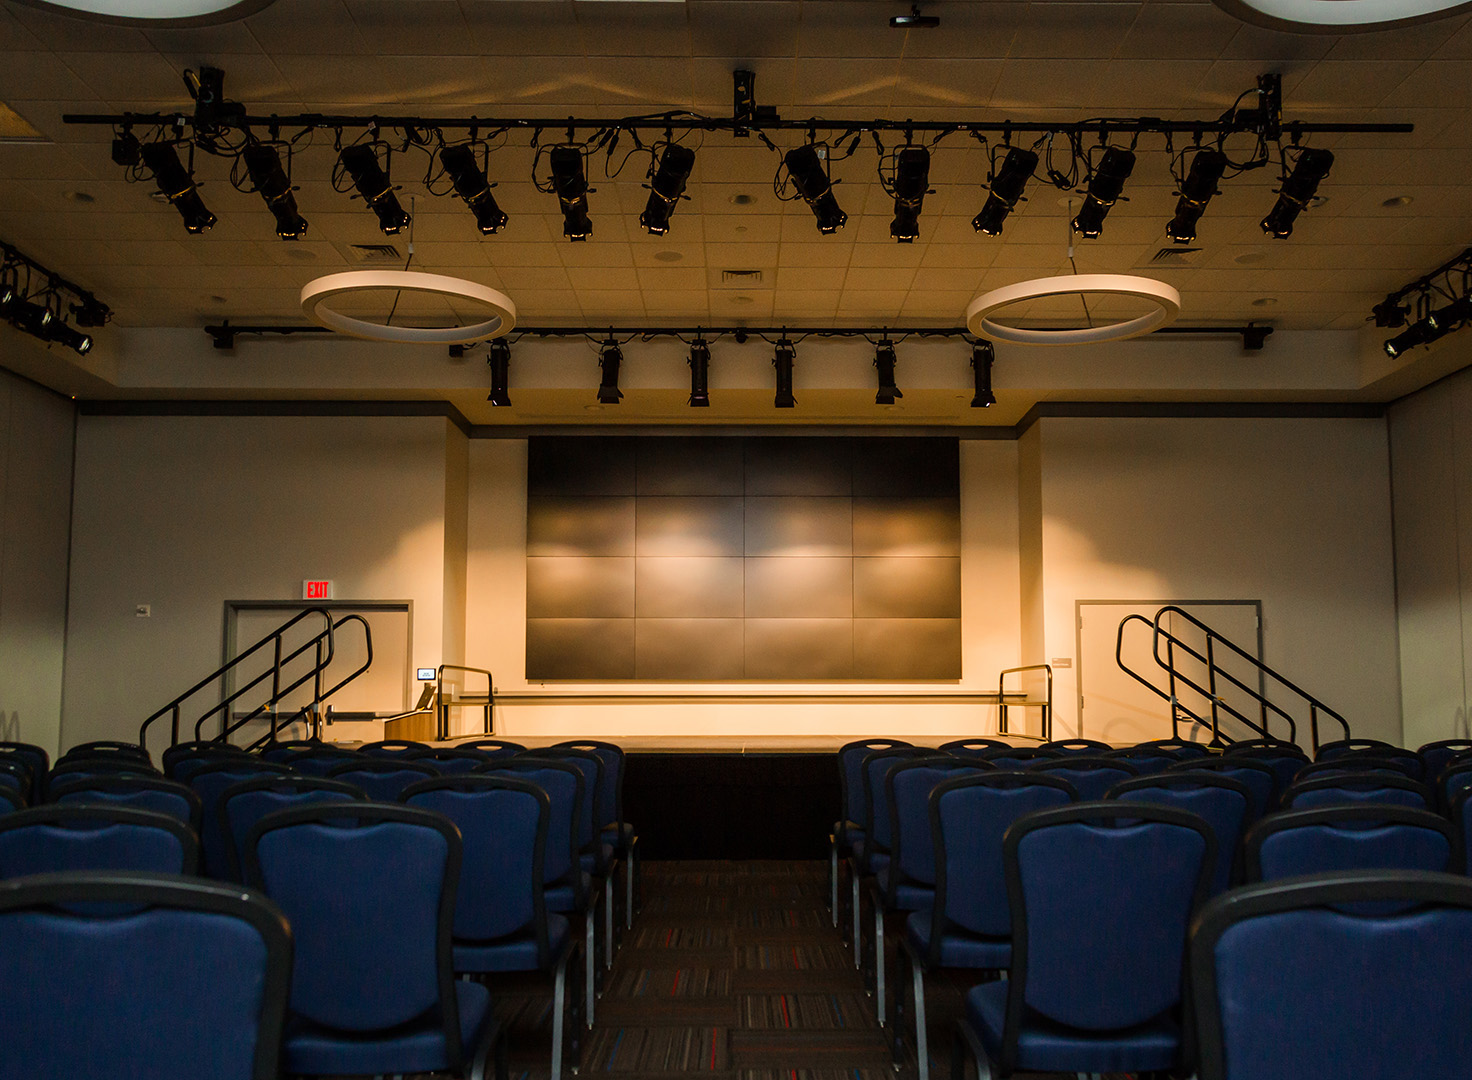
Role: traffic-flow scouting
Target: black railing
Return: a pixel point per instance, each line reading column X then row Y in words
column 1046, row 704
column 311, row 712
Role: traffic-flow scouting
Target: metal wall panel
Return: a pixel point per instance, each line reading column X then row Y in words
column 688, row 649
column 696, row 466
column 907, row 527
column 799, row 649
column 579, row 525
column 583, row 466
column 689, row 588
column 688, row 526
column 580, row 648
column 795, row 588
column 799, row 466
column 580, row 588
column 898, row 649
column 903, row 588
column 814, row 526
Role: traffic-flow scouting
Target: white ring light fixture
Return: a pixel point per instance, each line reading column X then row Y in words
column 316, row 293
column 1166, row 299
column 155, row 12
column 1339, row 16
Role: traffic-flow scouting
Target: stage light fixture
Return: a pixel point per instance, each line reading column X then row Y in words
column 176, row 183
column 1390, row 314
column 610, row 356
column 471, row 185
column 35, row 319
column 361, row 162
column 263, row 164
column 782, row 358
column 699, row 374
column 1006, row 189
column 811, row 178
column 983, row 355
column 911, row 185
column 1420, row 332
column 1105, row 186
column 59, row 332
column 1197, row 190
column 91, row 312
column 666, row 186
column 572, row 190
column 1448, row 318
column 1297, row 191
column 498, row 357
column 127, row 151
column 884, row 361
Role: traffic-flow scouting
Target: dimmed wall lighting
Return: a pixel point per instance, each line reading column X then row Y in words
column 807, row 172
column 471, row 185
column 666, row 187
column 571, row 185
column 610, row 356
column 699, row 374
column 1105, row 185
column 911, row 185
column 884, row 361
column 361, row 162
column 177, row 185
column 983, row 355
column 782, row 359
column 1007, row 184
column 1297, row 191
column 263, row 164
column 1197, row 190
column 499, row 358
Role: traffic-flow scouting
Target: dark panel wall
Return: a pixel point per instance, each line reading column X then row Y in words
column 743, row 558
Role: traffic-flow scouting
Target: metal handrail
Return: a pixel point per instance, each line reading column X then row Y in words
column 310, row 709
column 1210, row 691
column 1047, row 704
column 1170, row 698
column 443, row 726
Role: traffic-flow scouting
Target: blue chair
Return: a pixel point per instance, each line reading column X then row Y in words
column 283, row 751
column 180, row 751
column 1090, row 776
column 1018, row 757
column 140, row 975
column 241, row 805
column 1086, row 747
column 1407, row 761
column 973, row 747
column 107, row 750
column 873, row 853
column 1147, row 760
column 183, row 767
column 1267, row 742
column 140, row 792
column 1224, row 803
column 1284, row 759
column 209, row 783
column 1100, row 904
column 81, row 768
column 55, row 839
column 501, row 920
column 10, row 801
column 382, row 778
column 1460, row 813
column 449, row 761
column 1452, row 780
column 393, row 748
column 610, row 798
column 597, row 846
column 16, row 776
column 1365, row 837
column 968, row 924
column 1181, row 749
column 1261, row 780
column 1437, row 755
column 497, row 748
column 1359, row 787
column 319, row 760
column 34, row 758
column 1349, row 974
column 848, row 833
column 369, row 890
column 1355, row 763
column 1330, row 750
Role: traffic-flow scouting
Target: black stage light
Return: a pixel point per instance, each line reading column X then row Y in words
column 372, row 182
column 499, row 358
column 699, row 374
column 175, row 182
column 1297, row 191
column 471, row 185
column 1446, row 319
column 914, row 20
column 911, row 185
column 1006, row 188
column 1389, row 314
column 665, row 188
column 91, row 312
column 126, row 150
column 609, row 359
column 1207, row 168
column 884, row 360
column 983, row 355
column 9, row 294
column 1105, row 186
column 572, row 191
column 1420, row 332
column 264, row 165
column 807, row 172
column 72, row 338
column 35, row 319
column 782, row 359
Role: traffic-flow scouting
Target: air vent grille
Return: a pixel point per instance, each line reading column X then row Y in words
column 741, row 277
column 375, row 252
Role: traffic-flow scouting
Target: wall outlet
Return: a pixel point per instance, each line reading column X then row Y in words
column 143, row 611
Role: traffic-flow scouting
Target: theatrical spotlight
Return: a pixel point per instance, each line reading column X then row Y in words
column 666, row 186
column 782, row 359
column 1390, row 314
column 807, row 172
column 1421, row 332
column 1297, row 191
column 499, row 359
column 610, row 357
column 572, row 191
column 911, row 185
column 72, row 338
column 1199, row 186
column 177, row 185
column 983, row 355
column 263, row 164
column 471, row 185
column 1007, row 185
column 372, row 182
column 35, row 319
column 699, row 374
column 884, row 360
column 1105, row 185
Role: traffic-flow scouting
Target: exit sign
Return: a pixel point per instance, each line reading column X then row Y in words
column 316, row 590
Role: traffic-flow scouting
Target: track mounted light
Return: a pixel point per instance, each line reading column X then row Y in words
column 884, row 361
column 1006, row 189
column 498, row 357
column 782, row 358
column 1297, row 191
column 911, row 185
column 666, row 187
column 699, row 374
column 983, row 355
column 1197, row 190
column 571, row 185
column 471, row 185
column 263, row 164
column 361, row 162
column 1421, row 332
column 610, row 356
column 35, row 319
column 177, row 185
column 811, row 178
column 59, row 332
column 1389, row 314
column 1105, row 186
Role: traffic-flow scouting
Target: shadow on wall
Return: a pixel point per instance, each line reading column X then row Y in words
column 9, row 726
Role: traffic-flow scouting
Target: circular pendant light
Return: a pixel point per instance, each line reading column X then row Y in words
column 1339, row 16
column 1166, row 300
column 154, row 12
column 316, row 294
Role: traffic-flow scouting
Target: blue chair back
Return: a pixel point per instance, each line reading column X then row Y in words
column 609, row 798
column 241, row 805
column 909, row 785
column 320, row 760
column 497, row 748
column 184, row 767
column 1302, row 977
column 451, row 762
column 1349, row 838
column 56, row 839
column 107, row 750
column 877, row 820
column 1437, row 755
column 1259, row 778
column 1285, row 761
column 1452, row 780
column 1406, row 761
column 563, row 784
column 283, row 751
column 1239, row 746
column 81, row 768
column 590, row 825
column 1222, row 802
column 209, row 783
column 972, row 747
column 10, row 801
column 181, row 979
column 1460, row 813
column 1085, row 747
column 140, row 792
column 1181, row 749
column 16, row 775
column 1147, row 760
column 1353, row 764
column 1091, row 777
column 1360, row 787
column 1330, row 750
column 34, row 758
column 851, row 777
column 1018, row 757
column 179, row 751
column 392, row 748
column 382, row 779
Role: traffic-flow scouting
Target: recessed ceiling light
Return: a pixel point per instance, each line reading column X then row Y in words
column 1265, row 301
column 741, row 199
column 155, row 12
column 77, row 197
column 1395, row 202
column 669, row 256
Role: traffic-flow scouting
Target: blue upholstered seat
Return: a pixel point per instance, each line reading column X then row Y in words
column 140, row 792
column 1222, row 801
column 1088, row 775
column 382, row 778
column 94, row 837
column 1356, row 788
column 209, row 783
column 1375, row 836
column 241, row 805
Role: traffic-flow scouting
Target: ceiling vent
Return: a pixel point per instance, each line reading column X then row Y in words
column 741, row 278
column 375, row 253
column 1174, row 256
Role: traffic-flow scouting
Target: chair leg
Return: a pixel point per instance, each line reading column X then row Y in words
column 978, row 1054
column 590, row 966
column 608, row 919
column 833, row 879
column 629, row 866
column 922, row 1038
column 879, row 962
column 858, row 956
column 559, row 1006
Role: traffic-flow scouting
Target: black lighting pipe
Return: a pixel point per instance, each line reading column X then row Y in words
column 498, row 356
column 699, row 374
column 1423, row 283
column 983, row 356
column 96, row 312
column 782, row 358
column 263, row 164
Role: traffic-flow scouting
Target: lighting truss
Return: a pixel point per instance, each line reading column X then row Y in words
column 46, row 305
column 1428, row 308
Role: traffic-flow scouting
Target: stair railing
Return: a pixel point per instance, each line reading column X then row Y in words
column 311, row 712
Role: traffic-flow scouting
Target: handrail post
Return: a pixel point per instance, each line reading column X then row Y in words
column 176, row 726
column 1170, row 660
column 1211, row 686
column 1313, row 724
